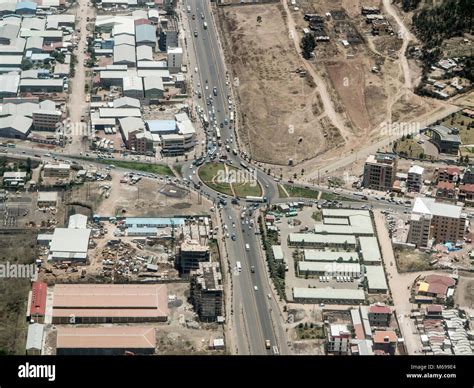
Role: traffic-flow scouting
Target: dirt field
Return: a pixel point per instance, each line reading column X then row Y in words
column 14, row 248
column 278, row 121
column 464, row 295
column 410, row 261
column 151, row 198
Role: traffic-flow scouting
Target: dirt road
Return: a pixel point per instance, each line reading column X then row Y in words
column 77, row 96
column 407, row 36
column 399, row 286
column 321, row 85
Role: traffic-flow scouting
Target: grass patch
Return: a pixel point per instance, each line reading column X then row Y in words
column 337, row 197
column 208, row 172
column 18, row 249
column 281, row 192
column 243, row 186
column 409, row 148
column 464, row 124
column 317, row 215
column 159, row 169
column 309, row 331
column 242, row 190
column 301, row 192
column 411, row 261
column 276, row 269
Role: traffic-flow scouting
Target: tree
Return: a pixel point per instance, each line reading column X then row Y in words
column 28, row 166
column 308, row 44
column 26, row 64
column 259, row 19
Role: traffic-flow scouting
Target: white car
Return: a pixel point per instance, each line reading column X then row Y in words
column 195, row 69
column 255, row 288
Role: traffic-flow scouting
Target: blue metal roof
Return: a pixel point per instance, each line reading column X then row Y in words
column 161, row 126
column 26, row 4
column 145, row 33
column 153, row 222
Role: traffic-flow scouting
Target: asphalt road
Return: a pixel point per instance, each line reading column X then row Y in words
column 251, row 305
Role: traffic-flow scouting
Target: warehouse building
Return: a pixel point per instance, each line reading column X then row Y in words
column 47, row 198
column 369, row 250
column 328, row 295
column 49, row 85
column 312, row 269
column 322, row 240
column 329, row 256
column 145, row 35
column 69, row 244
column 207, row 291
column 34, row 339
column 9, row 84
column 37, row 302
column 15, row 127
column 110, row 303
column 105, row 341
column 376, row 279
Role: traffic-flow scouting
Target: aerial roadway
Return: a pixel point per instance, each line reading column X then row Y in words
column 253, row 303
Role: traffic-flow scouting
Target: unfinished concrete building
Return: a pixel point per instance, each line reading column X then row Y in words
column 207, row 291
column 191, row 254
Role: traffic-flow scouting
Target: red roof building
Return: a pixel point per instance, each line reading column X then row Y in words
column 38, row 301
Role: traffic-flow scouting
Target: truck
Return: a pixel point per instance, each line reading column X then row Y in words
column 205, row 25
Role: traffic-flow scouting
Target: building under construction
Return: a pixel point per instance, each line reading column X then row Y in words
column 207, row 291
column 191, row 254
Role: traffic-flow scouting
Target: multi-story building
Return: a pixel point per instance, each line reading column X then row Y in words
column 379, row 315
column 468, row 177
column 191, row 254
column 446, row 139
column 168, row 34
column 175, row 59
column 380, row 171
column 466, row 193
column 435, row 222
column 450, row 174
column 141, row 142
column 207, row 291
column 46, row 120
column 338, row 339
column 60, row 170
column 415, row 179
column 446, row 191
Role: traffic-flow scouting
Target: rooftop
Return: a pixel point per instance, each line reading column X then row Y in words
column 429, row 206
column 328, row 294
column 133, row 337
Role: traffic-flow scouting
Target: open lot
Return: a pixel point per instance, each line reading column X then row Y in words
column 150, row 198
column 15, row 249
column 278, row 121
column 411, row 260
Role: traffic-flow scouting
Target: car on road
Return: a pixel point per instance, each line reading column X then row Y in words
column 255, row 288
column 202, row 15
column 195, row 69
column 195, row 34
column 252, row 269
column 233, row 237
column 268, row 344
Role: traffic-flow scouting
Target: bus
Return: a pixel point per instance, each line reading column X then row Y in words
column 231, row 117
column 218, row 133
column 239, row 266
column 250, row 198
